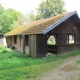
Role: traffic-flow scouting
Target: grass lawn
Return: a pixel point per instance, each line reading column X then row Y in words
column 16, row 66
column 77, row 63
column 51, row 43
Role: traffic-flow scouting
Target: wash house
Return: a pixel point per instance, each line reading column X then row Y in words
column 59, row 34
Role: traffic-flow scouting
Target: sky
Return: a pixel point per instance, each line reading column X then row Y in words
column 72, row 5
column 25, row 6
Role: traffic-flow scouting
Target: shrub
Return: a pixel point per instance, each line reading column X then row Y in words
column 4, row 49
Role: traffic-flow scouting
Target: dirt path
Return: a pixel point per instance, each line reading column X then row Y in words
column 67, row 71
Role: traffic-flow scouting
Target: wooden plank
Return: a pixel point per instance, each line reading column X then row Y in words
column 32, row 45
column 41, row 45
column 58, row 42
column 23, row 38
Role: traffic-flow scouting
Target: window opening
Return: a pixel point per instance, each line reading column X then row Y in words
column 70, row 39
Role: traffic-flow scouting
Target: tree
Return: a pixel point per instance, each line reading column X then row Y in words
column 31, row 16
column 8, row 18
column 1, row 9
column 1, row 12
column 5, row 23
column 50, row 8
column 19, row 21
column 13, row 13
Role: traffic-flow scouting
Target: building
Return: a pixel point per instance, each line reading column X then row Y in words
column 32, row 37
column 3, row 40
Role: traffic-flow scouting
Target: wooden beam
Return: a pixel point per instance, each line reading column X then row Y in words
column 58, row 42
column 32, row 45
column 23, row 37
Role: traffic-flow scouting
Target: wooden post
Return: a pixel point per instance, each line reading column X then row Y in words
column 67, row 39
column 23, row 37
column 32, row 45
column 41, row 45
column 58, row 42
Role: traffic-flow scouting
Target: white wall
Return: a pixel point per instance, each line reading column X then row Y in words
column 3, row 41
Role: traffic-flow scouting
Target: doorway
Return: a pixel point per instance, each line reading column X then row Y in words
column 52, row 44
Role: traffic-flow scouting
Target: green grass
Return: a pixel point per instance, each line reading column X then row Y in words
column 78, row 77
column 71, row 42
column 51, row 43
column 16, row 66
column 77, row 63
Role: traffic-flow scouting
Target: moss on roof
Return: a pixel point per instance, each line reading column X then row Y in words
column 36, row 27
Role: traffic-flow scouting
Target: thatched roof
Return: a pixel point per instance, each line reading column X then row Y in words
column 37, row 27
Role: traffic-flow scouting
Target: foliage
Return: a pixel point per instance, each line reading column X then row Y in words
column 31, row 16
column 13, row 13
column 51, row 43
column 46, row 9
column 4, row 49
column 8, row 18
column 51, row 40
column 16, row 66
column 50, row 8
column 5, row 23
column 1, row 9
column 19, row 21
